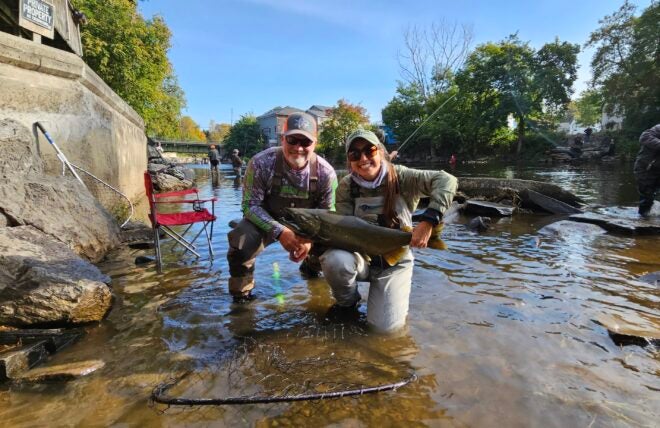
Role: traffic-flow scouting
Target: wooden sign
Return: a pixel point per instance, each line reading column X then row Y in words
column 37, row 16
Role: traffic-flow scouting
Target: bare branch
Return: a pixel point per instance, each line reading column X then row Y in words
column 431, row 56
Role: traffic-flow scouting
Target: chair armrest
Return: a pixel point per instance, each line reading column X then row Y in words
column 175, row 193
column 187, row 201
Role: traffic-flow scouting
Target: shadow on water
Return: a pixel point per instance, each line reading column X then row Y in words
column 501, row 330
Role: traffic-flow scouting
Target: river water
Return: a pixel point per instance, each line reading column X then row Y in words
column 501, row 331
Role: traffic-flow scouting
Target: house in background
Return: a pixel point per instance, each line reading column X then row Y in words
column 272, row 123
column 320, row 113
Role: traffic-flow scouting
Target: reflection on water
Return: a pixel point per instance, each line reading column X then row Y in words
column 501, row 330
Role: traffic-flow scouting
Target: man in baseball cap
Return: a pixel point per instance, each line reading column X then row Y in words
column 301, row 124
column 291, row 175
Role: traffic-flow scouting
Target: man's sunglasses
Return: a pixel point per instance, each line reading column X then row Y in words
column 296, row 141
column 369, row 151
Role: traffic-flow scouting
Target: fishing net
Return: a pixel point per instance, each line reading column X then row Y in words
column 117, row 204
column 302, row 367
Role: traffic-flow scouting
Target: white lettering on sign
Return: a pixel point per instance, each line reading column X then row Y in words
column 38, row 12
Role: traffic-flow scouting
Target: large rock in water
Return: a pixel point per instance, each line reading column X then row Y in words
column 43, row 282
column 169, row 183
column 63, row 208
column 622, row 220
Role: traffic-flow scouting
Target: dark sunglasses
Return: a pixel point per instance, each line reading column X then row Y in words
column 369, row 151
column 302, row 142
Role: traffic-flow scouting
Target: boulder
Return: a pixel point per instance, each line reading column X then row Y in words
column 652, row 278
column 490, row 209
column 621, row 220
column 537, row 200
column 42, row 282
column 157, row 167
column 169, row 183
column 135, row 231
column 479, row 224
column 571, row 229
column 18, row 150
column 63, row 208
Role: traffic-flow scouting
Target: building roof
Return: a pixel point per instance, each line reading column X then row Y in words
column 280, row 111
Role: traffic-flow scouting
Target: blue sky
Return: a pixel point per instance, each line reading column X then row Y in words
column 234, row 57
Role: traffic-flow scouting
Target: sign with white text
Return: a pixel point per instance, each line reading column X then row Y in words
column 37, row 16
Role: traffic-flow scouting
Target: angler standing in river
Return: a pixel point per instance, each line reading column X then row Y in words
column 385, row 194
column 288, row 176
column 647, row 169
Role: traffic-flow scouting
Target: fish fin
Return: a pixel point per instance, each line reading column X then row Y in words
column 394, row 256
column 437, row 244
column 436, row 241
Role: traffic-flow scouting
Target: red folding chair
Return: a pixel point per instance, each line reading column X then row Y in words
column 165, row 221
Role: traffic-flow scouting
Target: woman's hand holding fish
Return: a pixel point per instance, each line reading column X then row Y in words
column 421, row 234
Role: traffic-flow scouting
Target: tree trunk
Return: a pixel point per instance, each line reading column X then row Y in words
column 521, row 133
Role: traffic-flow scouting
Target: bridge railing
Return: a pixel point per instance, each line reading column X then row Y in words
column 192, row 147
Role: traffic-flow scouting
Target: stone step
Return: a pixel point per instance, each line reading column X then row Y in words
column 55, row 338
column 31, row 347
column 60, row 372
column 18, row 360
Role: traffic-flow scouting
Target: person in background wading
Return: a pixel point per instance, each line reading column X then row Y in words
column 288, row 176
column 647, row 169
column 236, row 163
column 385, row 194
column 214, row 158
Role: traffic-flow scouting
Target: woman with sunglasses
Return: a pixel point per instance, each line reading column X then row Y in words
column 385, row 194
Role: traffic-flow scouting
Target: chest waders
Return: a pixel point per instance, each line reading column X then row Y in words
column 389, row 290
column 275, row 202
column 246, row 240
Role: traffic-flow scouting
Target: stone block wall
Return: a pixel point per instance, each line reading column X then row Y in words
column 91, row 124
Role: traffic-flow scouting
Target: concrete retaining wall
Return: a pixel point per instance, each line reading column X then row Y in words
column 91, row 124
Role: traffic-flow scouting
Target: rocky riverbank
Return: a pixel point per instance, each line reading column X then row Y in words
column 52, row 230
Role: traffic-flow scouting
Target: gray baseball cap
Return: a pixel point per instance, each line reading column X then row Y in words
column 301, row 124
column 365, row 135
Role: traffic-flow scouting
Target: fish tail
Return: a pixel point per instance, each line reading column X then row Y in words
column 437, row 243
column 394, row 256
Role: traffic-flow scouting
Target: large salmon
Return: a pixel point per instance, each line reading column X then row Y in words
column 353, row 234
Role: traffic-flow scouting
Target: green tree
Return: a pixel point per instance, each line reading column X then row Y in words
column 130, row 54
column 342, row 120
column 520, row 81
column 245, row 136
column 406, row 111
column 189, row 130
column 626, row 65
column 589, row 107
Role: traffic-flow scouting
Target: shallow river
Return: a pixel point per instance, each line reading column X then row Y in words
column 501, row 332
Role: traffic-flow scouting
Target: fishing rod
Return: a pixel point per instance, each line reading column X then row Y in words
column 425, row 120
column 60, row 155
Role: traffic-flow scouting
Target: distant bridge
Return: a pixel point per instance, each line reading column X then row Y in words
column 190, row 147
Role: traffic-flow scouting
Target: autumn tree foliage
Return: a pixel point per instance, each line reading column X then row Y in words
column 189, row 130
column 129, row 53
column 343, row 119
